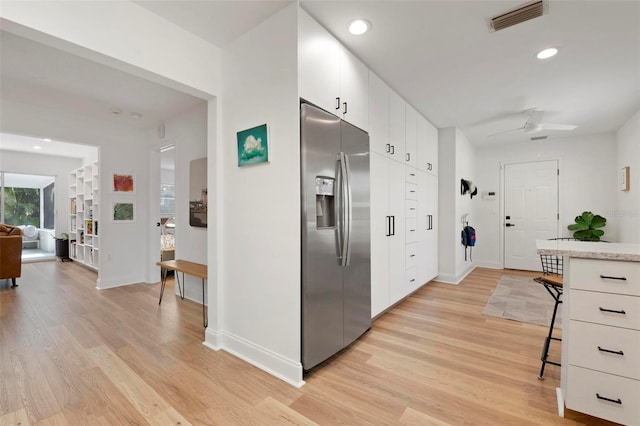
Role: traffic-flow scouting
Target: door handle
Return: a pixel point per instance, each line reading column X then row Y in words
column 338, row 102
column 393, row 149
column 408, row 156
column 344, row 109
column 509, row 225
column 388, row 148
column 388, row 226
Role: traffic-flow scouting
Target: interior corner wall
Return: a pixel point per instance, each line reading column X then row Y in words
column 465, row 205
column 35, row 164
column 121, row 149
column 261, row 212
column 447, row 190
column 188, row 132
column 588, row 174
column 628, row 202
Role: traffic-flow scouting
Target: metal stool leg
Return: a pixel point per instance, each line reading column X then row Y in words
column 549, row 338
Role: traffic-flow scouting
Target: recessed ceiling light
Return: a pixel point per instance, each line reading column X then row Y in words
column 547, row 53
column 359, row 26
column 136, row 115
column 37, row 147
column 46, row 140
column 116, row 111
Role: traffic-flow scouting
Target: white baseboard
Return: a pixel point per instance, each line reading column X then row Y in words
column 488, row 265
column 274, row 364
column 102, row 284
column 212, row 339
column 454, row 279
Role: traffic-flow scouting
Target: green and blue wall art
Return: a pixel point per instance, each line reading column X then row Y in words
column 253, row 146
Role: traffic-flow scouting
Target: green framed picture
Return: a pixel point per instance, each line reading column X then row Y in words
column 253, row 146
column 124, row 212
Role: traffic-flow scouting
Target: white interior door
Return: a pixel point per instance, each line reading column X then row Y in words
column 531, row 211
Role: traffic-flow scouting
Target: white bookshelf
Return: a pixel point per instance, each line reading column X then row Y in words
column 84, row 215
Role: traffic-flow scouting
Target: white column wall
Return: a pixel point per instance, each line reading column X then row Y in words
column 260, row 261
column 628, row 202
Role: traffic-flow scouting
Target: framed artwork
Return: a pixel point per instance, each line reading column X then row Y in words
column 253, row 146
column 198, row 193
column 123, row 183
column 624, row 179
column 123, row 211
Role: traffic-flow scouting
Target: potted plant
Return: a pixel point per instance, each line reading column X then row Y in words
column 587, row 227
column 62, row 246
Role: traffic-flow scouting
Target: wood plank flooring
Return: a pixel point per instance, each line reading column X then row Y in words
column 73, row 355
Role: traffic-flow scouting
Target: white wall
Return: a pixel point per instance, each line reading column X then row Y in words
column 109, row 32
column 260, row 230
column 455, row 161
column 628, row 202
column 121, row 149
column 465, row 205
column 587, row 182
column 22, row 162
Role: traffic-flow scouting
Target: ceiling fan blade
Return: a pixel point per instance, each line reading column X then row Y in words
column 552, row 126
column 506, row 131
column 535, row 117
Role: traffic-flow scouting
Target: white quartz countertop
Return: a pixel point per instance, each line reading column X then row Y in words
column 590, row 250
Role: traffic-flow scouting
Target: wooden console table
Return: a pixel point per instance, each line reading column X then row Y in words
column 190, row 268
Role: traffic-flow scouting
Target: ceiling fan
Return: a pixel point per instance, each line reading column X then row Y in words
column 534, row 124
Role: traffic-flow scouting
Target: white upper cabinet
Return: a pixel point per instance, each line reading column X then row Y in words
column 378, row 115
column 411, row 137
column 354, row 90
column 330, row 76
column 427, row 146
column 397, row 126
column 318, row 64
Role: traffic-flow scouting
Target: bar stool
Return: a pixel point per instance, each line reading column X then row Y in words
column 551, row 279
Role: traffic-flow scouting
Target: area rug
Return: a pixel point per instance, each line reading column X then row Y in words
column 522, row 299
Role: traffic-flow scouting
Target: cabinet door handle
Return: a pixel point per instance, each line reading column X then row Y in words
column 388, row 147
column 344, row 107
column 617, row 401
column 408, row 156
column 610, row 351
column 428, row 166
column 393, row 149
column 412, row 230
column 622, row 312
column 338, row 102
column 412, row 280
column 388, row 226
column 412, row 255
column 393, row 221
column 606, row 277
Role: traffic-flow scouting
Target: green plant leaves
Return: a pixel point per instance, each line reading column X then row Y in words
column 586, row 227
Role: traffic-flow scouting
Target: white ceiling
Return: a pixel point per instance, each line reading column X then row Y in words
column 21, row 143
column 439, row 55
column 18, row 180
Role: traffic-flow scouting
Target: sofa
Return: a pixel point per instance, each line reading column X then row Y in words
column 10, row 252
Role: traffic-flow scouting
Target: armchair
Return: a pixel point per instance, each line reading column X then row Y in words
column 10, row 252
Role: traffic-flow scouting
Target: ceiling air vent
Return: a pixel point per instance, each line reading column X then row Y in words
column 518, row 15
column 538, row 138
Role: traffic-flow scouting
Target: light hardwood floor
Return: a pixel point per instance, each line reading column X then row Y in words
column 73, row 355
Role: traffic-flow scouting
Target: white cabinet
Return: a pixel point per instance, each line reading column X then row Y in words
column 330, row 76
column 427, row 136
column 397, row 232
column 411, row 136
column 397, row 126
column 84, row 215
column 378, row 116
column 603, row 342
column 427, row 227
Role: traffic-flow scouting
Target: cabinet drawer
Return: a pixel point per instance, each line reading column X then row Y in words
column 605, row 308
column 412, row 278
column 412, row 230
column 587, row 388
column 604, row 348
column 411, row 252
column 411, row 191
column 411, row 208
column 412, row 175
column 607, row 276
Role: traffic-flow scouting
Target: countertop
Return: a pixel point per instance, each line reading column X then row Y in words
column 590, row 250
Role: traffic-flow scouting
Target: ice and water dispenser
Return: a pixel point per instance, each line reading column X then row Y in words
column 325, row 211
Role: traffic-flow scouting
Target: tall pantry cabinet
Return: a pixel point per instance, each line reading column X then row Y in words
column 404, row 197
column 403, row 157
column 84, row 215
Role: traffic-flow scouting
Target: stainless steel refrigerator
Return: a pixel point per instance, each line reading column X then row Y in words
column 336, row 260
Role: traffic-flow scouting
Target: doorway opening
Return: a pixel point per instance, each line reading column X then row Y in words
column 167, row 202
column 28, row 202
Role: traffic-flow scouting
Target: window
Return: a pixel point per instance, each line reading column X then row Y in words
column 167, row 200
column 22, row 206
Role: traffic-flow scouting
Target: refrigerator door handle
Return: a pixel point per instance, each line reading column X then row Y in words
column 339, row 209
column 347, row 210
